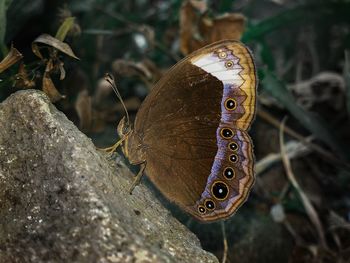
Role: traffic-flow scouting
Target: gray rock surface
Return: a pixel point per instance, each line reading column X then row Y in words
column 63, row 201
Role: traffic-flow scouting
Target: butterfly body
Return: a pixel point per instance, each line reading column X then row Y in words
column 190, row 132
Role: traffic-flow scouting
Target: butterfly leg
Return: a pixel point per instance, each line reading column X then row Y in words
column 112, row 148
column 137, row 178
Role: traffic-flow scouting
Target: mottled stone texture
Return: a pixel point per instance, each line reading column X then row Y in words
column 63, row 201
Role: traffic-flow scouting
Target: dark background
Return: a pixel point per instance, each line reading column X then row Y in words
column 300, row 49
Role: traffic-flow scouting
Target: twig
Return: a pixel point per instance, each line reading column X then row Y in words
column 105, row 32
column 326, row 155
column 293, row 149
column 309, row 208
column 224, row 257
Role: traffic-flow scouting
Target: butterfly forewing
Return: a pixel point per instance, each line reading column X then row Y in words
column 191, row 131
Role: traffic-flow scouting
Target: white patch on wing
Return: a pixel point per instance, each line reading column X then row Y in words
column 212, row 64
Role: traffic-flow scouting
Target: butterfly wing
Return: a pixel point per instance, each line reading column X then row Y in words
column 191, row 131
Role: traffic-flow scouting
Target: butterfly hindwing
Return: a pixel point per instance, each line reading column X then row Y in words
column 230, row 179
column 184, row 128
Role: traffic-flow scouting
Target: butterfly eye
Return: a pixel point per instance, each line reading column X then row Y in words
column 126, row 129
column 233, row 146
column 233, row 158
column 229, row 173
column 230, row 104
column 226, row 133
column 209, row 204
column 201, row 209
column 219, row 190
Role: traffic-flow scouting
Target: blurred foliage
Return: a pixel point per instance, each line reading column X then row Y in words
column 293, row 43
column 4, row 4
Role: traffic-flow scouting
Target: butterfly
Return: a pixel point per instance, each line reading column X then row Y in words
column 190, row 133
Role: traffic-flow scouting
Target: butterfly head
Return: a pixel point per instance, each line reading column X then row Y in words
column 124, row 131
column 123, row 128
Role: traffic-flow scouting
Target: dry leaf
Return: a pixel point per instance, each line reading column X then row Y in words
column 49, row 66
column 146, row 70
column 22, row 78
column 36, row 51
column 322, row 88
column 50, row 89
column 103, row 90
column 48, row 85
column 155, row 72
column 83, row 107
column 62, row 70
column 228, row 26
column 188, row 28
column 53, row 63
column 198, row 30
column 52, row 42
column 11, row 58
column 200, row 5
column 129, row 68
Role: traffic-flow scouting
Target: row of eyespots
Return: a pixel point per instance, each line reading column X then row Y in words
column 227, row 133
column 230, row 103
column 208, row 205
column 222, row 54
column 229, row 172
column 219, row 189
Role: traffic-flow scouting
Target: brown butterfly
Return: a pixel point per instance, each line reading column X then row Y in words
column 190, row 133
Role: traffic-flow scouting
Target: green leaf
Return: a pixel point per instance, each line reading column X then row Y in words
column 310, row 121
column 266, row 55
column 64, row 28
column 226, row 6
column 301, row 15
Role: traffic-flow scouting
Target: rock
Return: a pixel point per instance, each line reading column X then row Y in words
column 63, row 201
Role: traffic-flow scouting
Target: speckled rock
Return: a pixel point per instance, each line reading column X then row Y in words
column 63, row 201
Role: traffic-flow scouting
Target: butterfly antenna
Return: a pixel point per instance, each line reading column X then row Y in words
column 110, row 79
